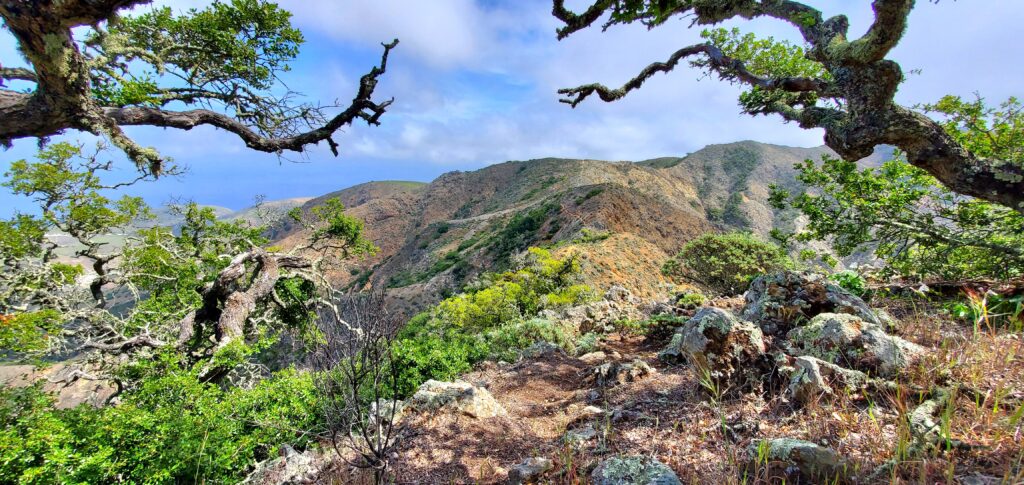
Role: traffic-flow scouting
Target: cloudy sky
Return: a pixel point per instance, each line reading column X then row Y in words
column 475, row 83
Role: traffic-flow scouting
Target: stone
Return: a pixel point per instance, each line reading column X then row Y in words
column 731, row 351
column 529, row 470
column 577, row 437
column 801, row 461
column 542, row 349
column 849, row 341
column 633, row 470
column 813, row 379
column 614, row 373
column 593, row 358
column 291, row 468
column 459, row 395
column 777, row 302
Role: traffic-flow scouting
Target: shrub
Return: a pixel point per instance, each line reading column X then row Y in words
column 690, row 301
column 851, row 281
column 493, row 318
column 171, row 429
column 725, row 263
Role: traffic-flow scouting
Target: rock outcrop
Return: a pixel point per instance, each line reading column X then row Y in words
column 777, row 301
column 851, row 342
column 799, row 461
column 459, row 396
column 731, row 351
column 633, row 470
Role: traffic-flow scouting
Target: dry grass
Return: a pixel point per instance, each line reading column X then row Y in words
column 670, row 415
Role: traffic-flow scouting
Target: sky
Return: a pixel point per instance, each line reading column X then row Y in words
column 475, row 83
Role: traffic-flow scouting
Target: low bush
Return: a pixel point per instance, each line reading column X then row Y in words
column 725, row 263
column 172, row 428
column 851, row 281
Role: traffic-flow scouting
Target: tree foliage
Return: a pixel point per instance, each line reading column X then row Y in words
column 726, row 263
column 93, row 70
column 840, row 84
column 906, row 217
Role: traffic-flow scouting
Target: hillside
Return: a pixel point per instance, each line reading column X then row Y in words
column 434, row 237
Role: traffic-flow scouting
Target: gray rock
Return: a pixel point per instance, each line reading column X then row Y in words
column 542, row 349
column 716, row 342
column 529, row 470
column 576, row 438
column 777, row 302
column 851, row 342
column 615, row 373
column 291, row 468
column 459, row 395
column 594, row 357
column 801, row 461
column 633, row 470
column 813, row 379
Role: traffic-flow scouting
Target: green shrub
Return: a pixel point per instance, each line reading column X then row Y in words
column 493, row 318
column 172, row 428
column 725, row 263
column 851, row 281
column 690, row 301
column 507, row 340
column 587, row 343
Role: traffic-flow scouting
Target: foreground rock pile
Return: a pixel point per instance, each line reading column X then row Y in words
column 796, row 329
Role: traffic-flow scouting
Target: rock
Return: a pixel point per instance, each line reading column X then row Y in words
column 459, row 395
column 389, row 409
column 529, row 470
column 633, row 470
column 615, row 373
column 813, row 379
column 777, row 301
column 714, row 341
column 291, row 468
column 72, row 382
column 800, row 461
column 619, row 293
column 849, row 341
column 577, row 437
column 593, row 357
column 673, row 353
column 542, row 349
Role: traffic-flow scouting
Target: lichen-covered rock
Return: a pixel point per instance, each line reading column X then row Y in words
column 777, row 301
column 542, row 349
column 459, row 395
column 578, row 437
column 618, row 304
column 800, row 461
column 529, row 470
column 812, row 379
column 291, row 468
column 849, row 341
column 633, row 470
column 716, row 342
column 614, row 373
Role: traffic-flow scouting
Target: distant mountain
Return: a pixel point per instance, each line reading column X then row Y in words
column 623, row 218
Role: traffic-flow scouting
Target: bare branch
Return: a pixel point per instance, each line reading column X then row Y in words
column 574, row 22
column 362, row 107
column 16, row 74
column 727, row 68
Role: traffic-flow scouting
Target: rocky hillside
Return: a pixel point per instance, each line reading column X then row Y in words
column 434, row 237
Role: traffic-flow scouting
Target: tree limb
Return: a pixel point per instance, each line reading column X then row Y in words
column 727, row 67
column 16, row 74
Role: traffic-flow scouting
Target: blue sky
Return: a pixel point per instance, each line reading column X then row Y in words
column 475, row 83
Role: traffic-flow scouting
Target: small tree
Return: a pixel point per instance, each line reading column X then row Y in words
column 725, row 263
column 94, row 71
column 842, row 84
column 356, row 372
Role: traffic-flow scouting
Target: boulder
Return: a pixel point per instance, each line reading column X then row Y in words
column 291, row 468
column 614, row 373
column 812, row 379
column 633, row 470
column 800, row 461
column 849, row 341
column 459, row 396
column 529, row 470
column 777, row 302
column 577, row 437
column 730, row 350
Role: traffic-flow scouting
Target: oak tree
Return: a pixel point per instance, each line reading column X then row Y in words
column 94, row 71
column 843, row 85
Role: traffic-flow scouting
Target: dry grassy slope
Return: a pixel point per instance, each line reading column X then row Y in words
column 657, row 206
